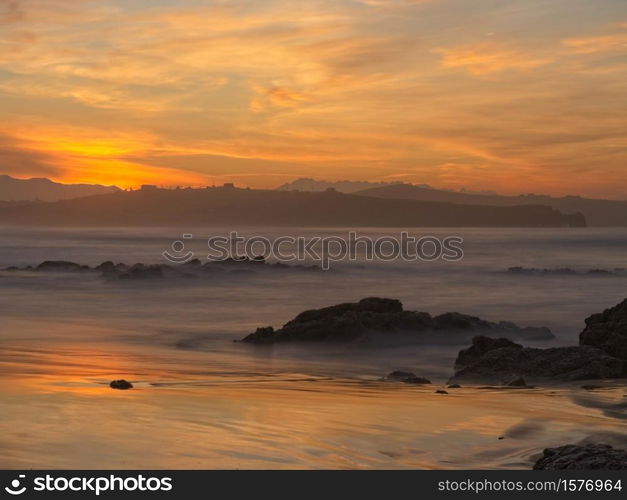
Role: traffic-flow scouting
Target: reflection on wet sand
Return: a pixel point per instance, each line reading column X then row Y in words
column 69, row 418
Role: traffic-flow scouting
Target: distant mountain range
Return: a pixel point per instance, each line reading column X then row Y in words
column 255, row 207
column 597, row 212
column 12, row 189
column 306, row 184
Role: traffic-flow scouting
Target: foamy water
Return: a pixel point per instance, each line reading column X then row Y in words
column 203, row 401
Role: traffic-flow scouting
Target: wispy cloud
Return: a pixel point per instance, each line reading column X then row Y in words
column 486, row 58
column 447, row 92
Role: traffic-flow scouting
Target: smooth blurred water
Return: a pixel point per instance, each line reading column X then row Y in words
column 209, row 402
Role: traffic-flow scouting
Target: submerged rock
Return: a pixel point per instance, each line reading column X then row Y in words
column 120, row 384
column 608, row 331
column 585, row 457
column 494, row 360
column 407, row 377
column 384, row 319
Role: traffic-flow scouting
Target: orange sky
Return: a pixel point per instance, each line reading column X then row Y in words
column 505, row 95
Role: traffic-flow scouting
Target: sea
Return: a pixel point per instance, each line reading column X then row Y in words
column 201, row 400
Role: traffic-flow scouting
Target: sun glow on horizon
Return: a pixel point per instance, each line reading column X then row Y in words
column 514, row 97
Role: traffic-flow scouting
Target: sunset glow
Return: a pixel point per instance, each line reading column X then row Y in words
column 512, row 96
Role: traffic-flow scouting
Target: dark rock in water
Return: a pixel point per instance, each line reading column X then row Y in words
column 373, row 316
column 120, row 384
column 492, row 360
column 106, row 267
column 585, row 457
column 407, row 377
column 454, row 386
column 480, row 346
column 134, row 272
column 60, row 266
column 564, row 271
column 441, row 391
column 608, row 331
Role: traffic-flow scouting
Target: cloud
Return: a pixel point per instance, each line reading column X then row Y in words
column 10, row 11
column 594, row 44
column 186, row 91
column 276, row 96
column 486, row 58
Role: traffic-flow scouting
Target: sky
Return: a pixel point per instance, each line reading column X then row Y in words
column 512, row 96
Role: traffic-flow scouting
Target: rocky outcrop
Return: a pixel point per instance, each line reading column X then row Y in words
column 585, row 457
column 120, row 384
column 490, row 360
column 60, row 266
column 406, row 377
column 140, row 271
column 608, row 331
column 566, row 271
column 373, row 318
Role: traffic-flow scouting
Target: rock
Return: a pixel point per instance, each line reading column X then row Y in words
column 441, row 391
column 480, row 346
column 135, row 272
column 407, row 377
column 454, row 386
column 564, row 271
column 492, row 360
column 380, row 319
column 120, row 384
column 608, row 331
column 60, row 266
column 585, row 457
column 106, row 267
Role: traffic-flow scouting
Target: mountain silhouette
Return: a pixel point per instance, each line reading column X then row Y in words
column 12, row 189
column 255, row 207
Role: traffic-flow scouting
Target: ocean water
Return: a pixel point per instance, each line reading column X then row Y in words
column 203, row 401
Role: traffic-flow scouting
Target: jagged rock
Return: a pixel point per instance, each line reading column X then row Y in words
column 407, row 377
column 480, row 345
column 120, row 384
column 492, row 360
column 585, row 457
column 608, row 331
column 373, row 316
